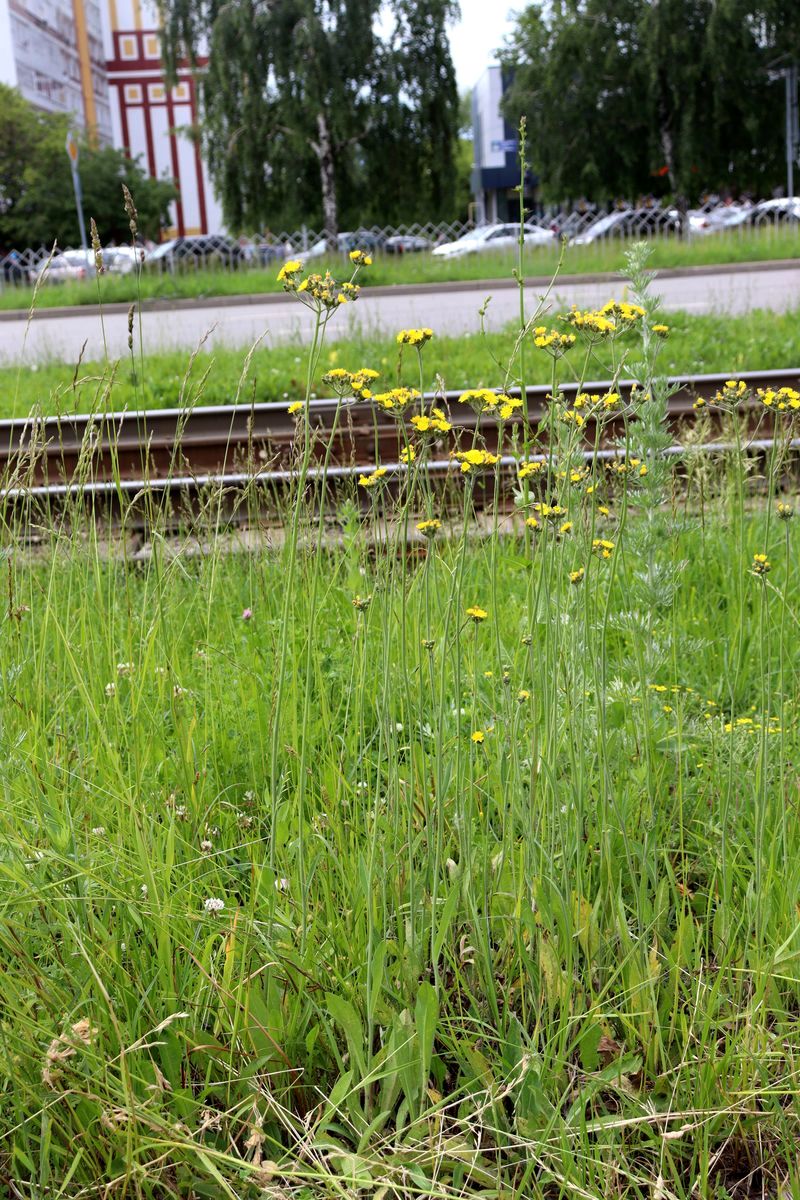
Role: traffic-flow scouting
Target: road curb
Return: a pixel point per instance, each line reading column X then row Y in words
column 400, row 289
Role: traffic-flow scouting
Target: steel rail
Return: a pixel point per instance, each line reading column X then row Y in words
column 153, row 443
column 281, row 476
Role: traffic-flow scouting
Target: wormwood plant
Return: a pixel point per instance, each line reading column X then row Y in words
column 445, row 847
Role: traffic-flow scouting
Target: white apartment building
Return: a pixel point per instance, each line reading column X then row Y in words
column 52, row 51
column 100, row 60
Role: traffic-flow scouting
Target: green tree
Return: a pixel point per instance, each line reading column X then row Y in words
column 579, row 82
column 309, row 114
column 36, row 198
column 622, row 94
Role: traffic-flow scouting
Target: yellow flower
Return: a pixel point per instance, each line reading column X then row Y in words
column 435, row 423
column 429, row 528
column 360, row 258
column 523, row 695
column 577, row 576
column 361, row 602
column 552, row 340
column 661, row 330
column 529, row 468
column 478, row 737
column 785, row 511
column 761, row 564
column 477, row 614
column 602, row 548
column 288, row 271
column 395, row 401
column 566, row 527
column 532, row 523
column 373, row 479
column 551, row 512
column 414, row 337
column 408, row 455
column 474, row 459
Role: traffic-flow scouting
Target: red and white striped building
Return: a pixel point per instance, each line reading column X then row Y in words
column 153, row 121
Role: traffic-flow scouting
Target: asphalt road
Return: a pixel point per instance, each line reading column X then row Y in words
column 445, row 310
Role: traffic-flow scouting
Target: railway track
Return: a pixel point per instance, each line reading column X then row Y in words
column 160, row 447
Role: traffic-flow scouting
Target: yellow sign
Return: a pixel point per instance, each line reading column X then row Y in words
column 72, row 148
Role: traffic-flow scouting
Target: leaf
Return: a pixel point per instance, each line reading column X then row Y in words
column 426, row 1015
column 448, row 912
column 347, row 1018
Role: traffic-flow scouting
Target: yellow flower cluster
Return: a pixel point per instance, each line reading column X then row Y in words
column 602, row 548
column 733, row 392
column 761, row 564
column 627, row 466
column 360, row 258
column 360, row 383
column 623, row 313
column 395, row 401
column 414, row 337
column 472, row 460
column 550, row 512
column 591, row 401
column 483, row 400
column 594, row 324
column 526, row 469
column 429, row 528
column 785, row 511
column 780, row 399
column 576, row 577
column 288, row 273
column 661, row 330
column 408, row 455
column 477, row 614
column 433, row 424
column 552, row 340
column 316, row 291
column 295, row 408
column 373, row 479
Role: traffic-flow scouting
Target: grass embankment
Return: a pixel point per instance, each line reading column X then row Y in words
column 563, row 961
column 742, row 246
column 697, row 345
column 337, row 871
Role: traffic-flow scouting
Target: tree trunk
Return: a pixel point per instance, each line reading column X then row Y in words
column 668, row 150
column 327, row 174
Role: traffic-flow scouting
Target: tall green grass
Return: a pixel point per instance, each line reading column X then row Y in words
column 315, row 886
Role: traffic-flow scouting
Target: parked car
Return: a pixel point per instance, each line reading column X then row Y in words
column 493, row 237
column 406, row 243
column 122, row 260
column 629, row 222
column 782, row 211
column 344, row 244
column 202, row 250
column 64, row 267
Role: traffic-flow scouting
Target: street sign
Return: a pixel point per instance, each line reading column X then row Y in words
column 72, row 148
column 505, row 147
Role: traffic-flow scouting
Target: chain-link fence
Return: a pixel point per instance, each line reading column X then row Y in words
column 581, row 226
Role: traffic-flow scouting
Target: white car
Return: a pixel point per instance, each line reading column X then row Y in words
column 63, row 267
column 493, row 237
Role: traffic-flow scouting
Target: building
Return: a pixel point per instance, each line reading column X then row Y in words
column 495, row 171
column 100, row 60
column 153, row 121
column 52, row 52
